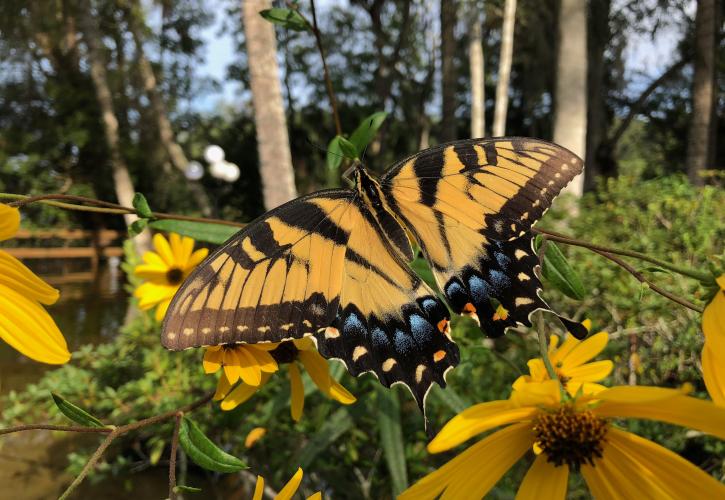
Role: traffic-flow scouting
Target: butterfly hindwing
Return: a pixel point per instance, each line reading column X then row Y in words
column 278, row 278
column 470, row 205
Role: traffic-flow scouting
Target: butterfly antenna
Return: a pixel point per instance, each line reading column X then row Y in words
column 324, row 150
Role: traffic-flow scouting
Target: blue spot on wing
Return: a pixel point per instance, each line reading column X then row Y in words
column 480, row 290
column 499, row 279
column 502, row 259
column 421, row 329
column 379, row 338
column 403, row 343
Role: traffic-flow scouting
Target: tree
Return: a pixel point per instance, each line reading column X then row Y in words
column 275, row 159
column 504, row 69
column 703, row 91
column 570, row 114
column 475, row 63
column 121, row 177
column 158, row 109
column 448, row 73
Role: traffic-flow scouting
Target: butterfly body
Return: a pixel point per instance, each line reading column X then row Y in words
column 333, row 265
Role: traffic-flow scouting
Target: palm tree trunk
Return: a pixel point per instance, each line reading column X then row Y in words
column 275, row 159
column 570, row 114
column 158, row 109
column 475, row 63
column 703, row 91
column 448, row 73
column 504, row 69
column 121, row 177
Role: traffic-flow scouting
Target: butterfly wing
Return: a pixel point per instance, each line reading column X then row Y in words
column 471, row 205
column 318, row 266
column 278, row 278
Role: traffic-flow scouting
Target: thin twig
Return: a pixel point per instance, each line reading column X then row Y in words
column 328, row 80
column 642, row 279
column 172, row 458
column 50, row 427
column 91, row 463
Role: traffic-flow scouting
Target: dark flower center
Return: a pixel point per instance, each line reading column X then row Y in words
column 286, row 352
column 570, row 437
column 174, row 276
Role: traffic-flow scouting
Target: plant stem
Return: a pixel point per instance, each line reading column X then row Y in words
column 50, row 427
column 568, row 240
column 172, row 458
column 544, row 350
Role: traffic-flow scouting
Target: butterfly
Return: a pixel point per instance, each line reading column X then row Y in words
column 334, row 265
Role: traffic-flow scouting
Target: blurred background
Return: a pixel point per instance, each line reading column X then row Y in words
column 106, row 98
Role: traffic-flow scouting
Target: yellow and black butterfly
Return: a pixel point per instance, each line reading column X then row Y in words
column 333, row 265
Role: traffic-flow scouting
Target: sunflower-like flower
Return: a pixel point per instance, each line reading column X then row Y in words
column 24, row 324
column 713, row 352
column 164, row 270
column 571, row 362
column 255, row 364
column 287, row 491
column 575, row 435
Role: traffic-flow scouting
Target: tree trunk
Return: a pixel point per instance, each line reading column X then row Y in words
column 275, row 159
column 570, row 114
column 448, row 75
column 475, row 63
column 121, row 178
column 703, row 91
column 504, row 69
column 158, row 109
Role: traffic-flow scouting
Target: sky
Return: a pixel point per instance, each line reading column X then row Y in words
column 645, row 57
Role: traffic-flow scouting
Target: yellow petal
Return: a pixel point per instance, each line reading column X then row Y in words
column 656, row 472
column 152, row 273
column 258, row 489
column 475, row 420
column 297, row 392
column 264, row 360
column 161, row 309
column 241, row 393
column 291, row 487
column 164, row 250
column 713, row 372
column 340, row 394
column 181, row 248
column 590, row 372
column 544, row 480
column 587, row 388
column 151, row 294
column 231, row 365
column 29, row 329
column 677, row 409
column 315, row 496
column 212, row 360
column 9, row 221
column 248, row 367
column 535, row 394
column 713, row 318
column 317, row 367
column 152, row 259
column 464, row 476
column 15, row 275
column 254, row 435
column 304, row 344
column 222, row 388
column 562, row 352
column 584, row 351
column 196, row 258
column 537, row 369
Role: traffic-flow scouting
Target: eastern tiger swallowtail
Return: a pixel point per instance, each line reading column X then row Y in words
column 333, row 265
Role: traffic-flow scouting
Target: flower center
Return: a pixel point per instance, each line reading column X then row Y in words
column 286, row 352
column 174, row 276
column 570, row 437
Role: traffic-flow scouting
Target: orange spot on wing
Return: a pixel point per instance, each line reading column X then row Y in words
column 501, row 313
column 469, row 308
column 439, row 355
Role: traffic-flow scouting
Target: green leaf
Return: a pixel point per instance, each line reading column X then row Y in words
column 422, row 269
column 655, row 269
column 137, row 227
column 451, row 399
column 202, row 231
column 348, row 149
column 334, row 154
column 287, row 18
column 365, row 132
column 391, row 438
column 335, row 426
column 75, row 413
column 204, row 452
column 180, row 488
column 558, row 272
column 142, row 206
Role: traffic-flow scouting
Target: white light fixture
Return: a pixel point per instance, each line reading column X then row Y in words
column 214, row 154
column 194, row 171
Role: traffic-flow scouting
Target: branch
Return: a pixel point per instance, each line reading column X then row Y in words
column 50, row 427
column 172, row 458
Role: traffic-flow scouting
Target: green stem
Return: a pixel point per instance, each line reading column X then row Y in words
column 568, row 240
column 544, row 350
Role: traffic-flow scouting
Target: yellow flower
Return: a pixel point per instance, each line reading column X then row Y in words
column 253, row 436
column 713, row 352
column 164, row 270
column 574, row 435
column 287, row 491
column 571, row 363
column 24, row 324
column 288, row 352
